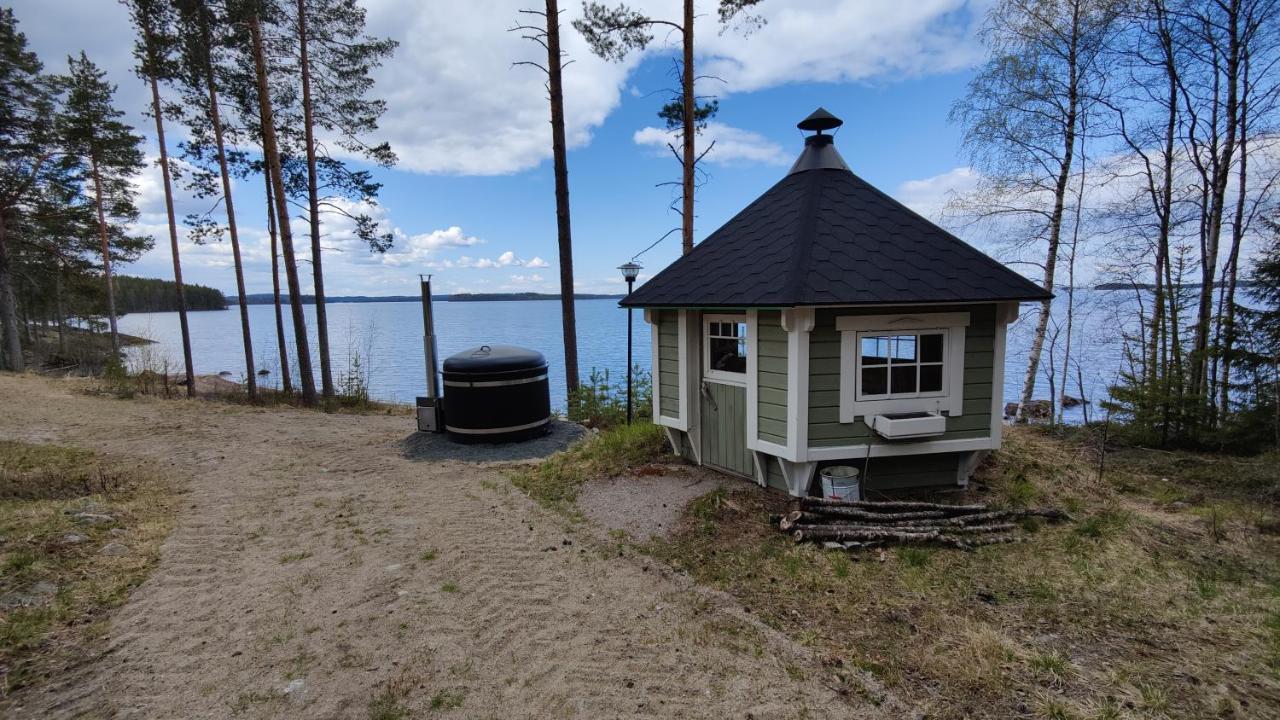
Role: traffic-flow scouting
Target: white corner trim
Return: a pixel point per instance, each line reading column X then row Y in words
column 798, row 323
column 886, row 449
column 1005, row 314
column 655, row 330
column 753, row 375
column 682, row 362
column 691, row 380
column 949, row 401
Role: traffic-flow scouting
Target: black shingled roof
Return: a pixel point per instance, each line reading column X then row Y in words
column 824, row 236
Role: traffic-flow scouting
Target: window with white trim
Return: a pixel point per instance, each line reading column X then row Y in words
column 725, row 348
column 901, row 363
column 906, row 365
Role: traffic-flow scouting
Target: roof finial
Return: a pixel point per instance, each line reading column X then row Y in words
column 820, row 120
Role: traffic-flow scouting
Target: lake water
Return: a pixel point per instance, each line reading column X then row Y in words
column 387, row 338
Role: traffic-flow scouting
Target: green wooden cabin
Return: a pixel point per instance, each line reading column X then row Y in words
column 827, row 323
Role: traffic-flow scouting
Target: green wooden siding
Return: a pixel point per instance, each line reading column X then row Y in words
column 771, row 372
column 825, row 428
column 669, row 364
column 724, row 428
column 773, row 475
column 885, row 474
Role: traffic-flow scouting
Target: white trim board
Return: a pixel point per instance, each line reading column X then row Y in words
column 887, row 449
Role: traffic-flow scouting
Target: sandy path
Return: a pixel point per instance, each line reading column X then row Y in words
column 297, row 564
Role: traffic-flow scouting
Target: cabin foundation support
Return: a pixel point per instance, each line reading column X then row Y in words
column 798, row 476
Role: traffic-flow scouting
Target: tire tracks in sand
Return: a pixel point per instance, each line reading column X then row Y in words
column 312, row 567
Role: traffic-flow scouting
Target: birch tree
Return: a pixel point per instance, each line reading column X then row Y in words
column 1021, row 119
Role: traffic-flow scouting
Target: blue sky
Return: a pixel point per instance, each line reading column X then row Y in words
column 472, row 201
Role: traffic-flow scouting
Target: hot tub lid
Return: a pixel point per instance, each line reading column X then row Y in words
column 494, row 358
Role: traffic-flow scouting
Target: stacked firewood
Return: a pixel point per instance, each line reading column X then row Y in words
column 869, row 523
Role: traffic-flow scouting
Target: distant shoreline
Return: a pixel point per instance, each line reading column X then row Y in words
column 268, row 298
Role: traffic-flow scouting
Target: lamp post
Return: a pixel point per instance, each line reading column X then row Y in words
column 630, row 270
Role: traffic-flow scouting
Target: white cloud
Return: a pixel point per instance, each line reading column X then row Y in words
column 732, row 145
column 537, row 262
column 930, row 195
column 456, row 104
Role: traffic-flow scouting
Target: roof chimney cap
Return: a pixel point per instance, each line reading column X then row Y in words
column 820, row 120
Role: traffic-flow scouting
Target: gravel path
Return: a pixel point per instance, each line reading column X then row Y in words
column 314, row 569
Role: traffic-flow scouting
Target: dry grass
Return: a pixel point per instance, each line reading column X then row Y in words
column 555, row 482
column 1140, row 609
column 55, row 584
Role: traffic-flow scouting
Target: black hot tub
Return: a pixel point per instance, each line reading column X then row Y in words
column 496, row 393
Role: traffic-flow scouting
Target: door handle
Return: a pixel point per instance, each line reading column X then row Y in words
column 706, row 393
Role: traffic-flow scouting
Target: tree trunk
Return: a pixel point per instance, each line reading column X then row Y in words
column 271, row 151
column 1228, row 323
column 568, row 313
column 286, row 383
column 1071, row 279
column 106, row 257
column 179, row 291
column 1055, row 219
column 1217, row 208
column 11, row 348
column 60, row 309
column 215, row 119
column 313, row 205
column 690, row 131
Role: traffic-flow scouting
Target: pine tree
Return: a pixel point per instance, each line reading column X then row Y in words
column 272, row 156
column 612, row 32
column 26, row 157
column 335, row 62
column 90, row 128
column 203, row 35
column 548, row 36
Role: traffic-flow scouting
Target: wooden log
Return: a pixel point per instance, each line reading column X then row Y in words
column 890, row 505
column 857, row 527
column 873, row 516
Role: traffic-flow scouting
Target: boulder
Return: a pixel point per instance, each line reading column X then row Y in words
column 115, row 549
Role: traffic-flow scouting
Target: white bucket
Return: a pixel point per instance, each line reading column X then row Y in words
column 840, row 482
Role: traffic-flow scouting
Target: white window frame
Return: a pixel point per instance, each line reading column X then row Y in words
column 723, row 376
column 889, row 364
column 948, row 402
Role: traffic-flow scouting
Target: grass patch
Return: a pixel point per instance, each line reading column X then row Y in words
column 1061, row 626
column 447, row 700
column 428, row 555
column 293, row 557
column 449, row 587
column 554, row 483
column 55, row 585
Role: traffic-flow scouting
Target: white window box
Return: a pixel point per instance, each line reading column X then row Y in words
column 901, row 426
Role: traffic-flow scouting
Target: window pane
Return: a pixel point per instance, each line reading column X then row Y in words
column 725, row 355
column 875, row 350
column 740, row 330
column 875, row 381
column 904, row 348
column 903, row 379
column 930, row 378
column 931, row 348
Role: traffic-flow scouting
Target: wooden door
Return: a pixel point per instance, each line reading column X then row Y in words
column 724, row 428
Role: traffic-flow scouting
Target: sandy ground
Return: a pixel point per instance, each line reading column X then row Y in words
column 313, row 566
column 649, row 505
